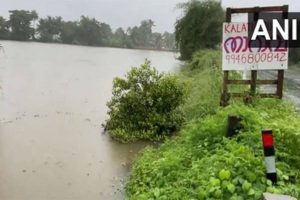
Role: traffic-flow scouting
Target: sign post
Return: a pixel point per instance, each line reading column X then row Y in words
column 239, row 56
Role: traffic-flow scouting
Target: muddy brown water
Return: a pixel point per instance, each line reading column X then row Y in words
column 52, row 104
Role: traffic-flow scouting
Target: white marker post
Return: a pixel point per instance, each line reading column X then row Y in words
column 269, row 152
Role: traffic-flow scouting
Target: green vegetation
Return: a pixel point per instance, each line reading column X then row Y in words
column 201, row 163
column 203, row 83
column 50, row 29
column 25, row 25
column 4, row 32
column 145, row 105
column 20, row 24
column 200, row 27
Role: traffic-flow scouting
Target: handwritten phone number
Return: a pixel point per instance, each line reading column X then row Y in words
column 249, row 58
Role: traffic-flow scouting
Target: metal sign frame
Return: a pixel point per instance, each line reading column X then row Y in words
column 226, row 95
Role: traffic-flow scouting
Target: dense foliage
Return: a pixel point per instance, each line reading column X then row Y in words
column 49, row 29
column 20, row 24
column 200, row 26
column 202, row 164
column 25, row 25
column 145, row 105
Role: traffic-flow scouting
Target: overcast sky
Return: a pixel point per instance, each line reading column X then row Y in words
column 124, row 13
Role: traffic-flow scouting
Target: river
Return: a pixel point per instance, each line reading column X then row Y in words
column 52, row 103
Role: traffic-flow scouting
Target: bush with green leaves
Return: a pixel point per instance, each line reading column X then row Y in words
column 145, row 104
column 203, row 164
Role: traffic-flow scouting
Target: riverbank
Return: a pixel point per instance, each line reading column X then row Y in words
column 201, row 163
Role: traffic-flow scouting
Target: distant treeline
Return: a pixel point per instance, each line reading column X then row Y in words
column 24, row 25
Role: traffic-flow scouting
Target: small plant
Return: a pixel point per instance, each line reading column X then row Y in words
column 145, row 105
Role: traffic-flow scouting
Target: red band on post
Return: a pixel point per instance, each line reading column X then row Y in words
column 267, row 140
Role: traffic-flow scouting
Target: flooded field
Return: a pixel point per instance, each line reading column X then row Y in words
column 52, row 104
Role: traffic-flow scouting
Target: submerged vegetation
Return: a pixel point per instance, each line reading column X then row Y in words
column 145, row 105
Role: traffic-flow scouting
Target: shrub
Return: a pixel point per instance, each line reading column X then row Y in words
column 145, row 105
column 202, row 164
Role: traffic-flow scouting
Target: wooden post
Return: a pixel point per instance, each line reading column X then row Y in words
column 280, row 78
column 228, row 14
column 253, row 82
column 225, row 96
column 234, row 125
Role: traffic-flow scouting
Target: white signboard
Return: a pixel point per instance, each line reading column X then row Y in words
column 238, row 55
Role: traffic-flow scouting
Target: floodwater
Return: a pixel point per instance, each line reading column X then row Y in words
column 52, row 104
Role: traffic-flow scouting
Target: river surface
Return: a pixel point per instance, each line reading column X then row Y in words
column 52, row 104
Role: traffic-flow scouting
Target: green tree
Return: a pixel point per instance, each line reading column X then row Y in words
column 49, row 29
column 200, row 27
column 89, row 31
column 93, row 33
column 106, row 34
column 119, row 38
column 69, row 32
column 145, row 105
column 141, row 36
column 169, row 41
column 145, row 30
column 4, row 28
column 21, row 24
column 134, row 37
column 157, row 41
